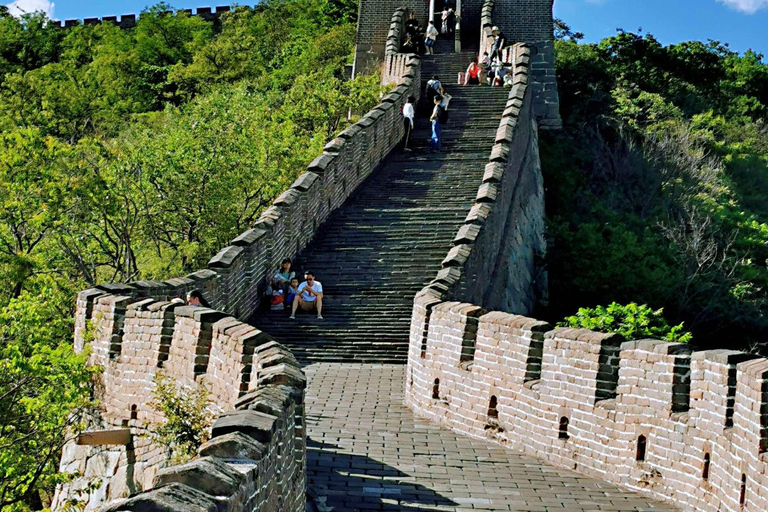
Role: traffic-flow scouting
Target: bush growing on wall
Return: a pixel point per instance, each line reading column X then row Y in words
column 632, row 321
column 187, row 421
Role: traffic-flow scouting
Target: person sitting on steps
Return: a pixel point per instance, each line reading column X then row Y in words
column 293, row 289
column 283, row 276
column 472, row 76
column 309, row 297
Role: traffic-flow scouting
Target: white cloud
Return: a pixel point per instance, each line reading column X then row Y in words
column 19, row 7
column 747, row 6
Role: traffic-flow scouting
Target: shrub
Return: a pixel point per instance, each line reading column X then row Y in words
column 187, row 420
column 632, row 321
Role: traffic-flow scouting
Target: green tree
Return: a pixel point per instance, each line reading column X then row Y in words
column 44, row 396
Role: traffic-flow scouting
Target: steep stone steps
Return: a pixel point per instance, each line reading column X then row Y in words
column 388, row 240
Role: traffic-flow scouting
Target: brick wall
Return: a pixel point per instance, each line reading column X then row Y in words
column 243, row 369
column 373, row 24
column 238, row 275
column 135, row 332
column 494, row 260
column 685, row 427
column 127, row 21
column 528, row 21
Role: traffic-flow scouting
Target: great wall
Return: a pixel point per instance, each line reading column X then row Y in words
column 415, row 251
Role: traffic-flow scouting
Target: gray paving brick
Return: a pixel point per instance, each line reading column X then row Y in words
column 367, row 451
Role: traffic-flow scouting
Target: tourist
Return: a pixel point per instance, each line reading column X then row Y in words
column 500, row 77
column 472, row 76
column 293, row 289
column 409, row 46
column 195, row 298
column 434, row 87
column 444, row 16
column 451, row 21
column 411, row 25
column 309, row 297
column 283, row 276
column 408, row 115
column 437, row 118
column 499, row 41
column 431, row 37
column 421, row 37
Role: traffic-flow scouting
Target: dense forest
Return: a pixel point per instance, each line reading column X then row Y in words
column 657, row 189
column 137, row 154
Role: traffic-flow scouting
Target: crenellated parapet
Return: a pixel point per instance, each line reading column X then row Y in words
column 527, row 21
column 686, row 427
column 237, row 277
column 128, row 21
column 135, row 331
column 255, row 387
column 495, row 258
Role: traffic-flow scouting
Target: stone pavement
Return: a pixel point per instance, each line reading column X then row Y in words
column 367, row 451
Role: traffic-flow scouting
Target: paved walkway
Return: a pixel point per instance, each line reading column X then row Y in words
column 367, row 451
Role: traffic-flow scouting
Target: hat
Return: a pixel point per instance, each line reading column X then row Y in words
column 495, row 29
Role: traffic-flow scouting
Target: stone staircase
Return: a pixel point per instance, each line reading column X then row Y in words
column 389, row 239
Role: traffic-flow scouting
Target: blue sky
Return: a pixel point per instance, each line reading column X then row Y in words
column 742, row 23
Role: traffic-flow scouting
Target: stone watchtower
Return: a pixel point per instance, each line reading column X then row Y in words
column 522, row 21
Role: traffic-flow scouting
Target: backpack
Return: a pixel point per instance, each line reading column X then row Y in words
column 442, row 114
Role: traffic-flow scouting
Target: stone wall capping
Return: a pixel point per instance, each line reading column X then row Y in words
column 226, row 257
column 467, row 234
column 478, row 214
column 249, row 237
column 448, row 276
column 89, row 294
column 227, row 324
column 755, row 368
column 305, row 181
column 427, row 297
column 202, row 275
column 199, row 314
column 141, row 305
column 161, row 305
column 283, row 375
column 277, row 397
column 257, row 425
column 500, row 153
column 175, row 282
column 586, row 335
column 116, row 288
column 321, row 163
column 723, row 356
column 487, row 193
column 335, row 145
column 658, row 347
column 234, row 445
column 170, row 498
column 457, row 256
column 207, row 474
column 287, row 198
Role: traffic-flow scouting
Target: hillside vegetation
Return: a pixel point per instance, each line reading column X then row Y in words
column 657, row 190
column 138, row 154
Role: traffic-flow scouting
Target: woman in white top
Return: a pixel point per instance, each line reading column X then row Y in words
column 408, row 115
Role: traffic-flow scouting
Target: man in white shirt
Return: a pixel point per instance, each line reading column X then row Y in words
column 309, row 296
column 408, row 115
column 432, row 34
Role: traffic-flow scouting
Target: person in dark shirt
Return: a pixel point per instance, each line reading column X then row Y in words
column 499, row 42
column 411, row 25
column 408, row 46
